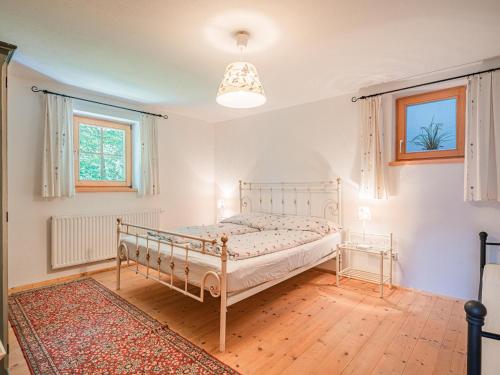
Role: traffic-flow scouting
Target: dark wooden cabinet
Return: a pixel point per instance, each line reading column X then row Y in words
column 6, row 52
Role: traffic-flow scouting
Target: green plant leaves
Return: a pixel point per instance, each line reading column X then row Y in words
column 431, row 137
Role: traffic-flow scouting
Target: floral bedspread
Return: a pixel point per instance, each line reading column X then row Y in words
column 215, row 231
column 209, row 232
column 250, row 245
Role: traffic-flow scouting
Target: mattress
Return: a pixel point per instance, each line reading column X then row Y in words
column 491, row 348
column 242, row 274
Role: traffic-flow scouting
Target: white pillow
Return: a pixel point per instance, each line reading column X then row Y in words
column 252, row 219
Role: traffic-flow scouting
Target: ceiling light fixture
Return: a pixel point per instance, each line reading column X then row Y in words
column 241, row 87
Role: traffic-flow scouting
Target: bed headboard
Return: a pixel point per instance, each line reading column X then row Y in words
column 321, row 198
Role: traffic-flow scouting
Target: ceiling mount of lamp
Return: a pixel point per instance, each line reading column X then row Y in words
column 241, row 87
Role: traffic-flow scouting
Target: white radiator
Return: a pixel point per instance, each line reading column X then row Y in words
column 83, row 239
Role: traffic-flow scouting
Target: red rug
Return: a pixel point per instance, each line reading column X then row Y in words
column 81, row 327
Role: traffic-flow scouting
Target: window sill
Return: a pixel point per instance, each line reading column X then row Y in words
column 105, row 189
column 397, row 163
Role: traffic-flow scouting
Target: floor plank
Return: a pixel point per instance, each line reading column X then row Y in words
column 365, row 359
column 425, row 353
column 306, row 325
column 395, row 357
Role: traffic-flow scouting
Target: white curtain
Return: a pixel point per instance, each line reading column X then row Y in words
column 373, row 181
column 58, row 178
column 482, row 140
column 149, row 183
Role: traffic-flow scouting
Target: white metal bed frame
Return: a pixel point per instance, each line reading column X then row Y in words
column 297, row 198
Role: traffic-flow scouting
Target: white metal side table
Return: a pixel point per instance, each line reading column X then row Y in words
column 377, row 245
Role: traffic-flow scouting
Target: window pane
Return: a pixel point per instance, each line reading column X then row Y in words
column 90, row 167
column 113, row 141
column 102, row 152
column 90, row 138
column 114, row 168
column 431, row 126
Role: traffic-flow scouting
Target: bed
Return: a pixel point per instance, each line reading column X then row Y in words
column 282, row 229
column 483, row 316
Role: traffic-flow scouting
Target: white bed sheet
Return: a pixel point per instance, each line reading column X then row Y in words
column 241, row 274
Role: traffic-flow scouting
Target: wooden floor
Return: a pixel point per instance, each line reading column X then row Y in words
column 307, row 325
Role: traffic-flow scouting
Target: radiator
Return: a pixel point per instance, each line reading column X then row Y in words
column 81, row 239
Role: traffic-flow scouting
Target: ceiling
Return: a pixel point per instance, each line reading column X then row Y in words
column 172, row 53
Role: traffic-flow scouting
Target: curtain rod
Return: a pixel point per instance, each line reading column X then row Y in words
column 354, row 99
column 36, row 89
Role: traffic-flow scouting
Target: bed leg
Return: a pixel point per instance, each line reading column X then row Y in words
column 223, row 295
column 222, row 333
column 118, row 252
column 337, row 266
column 381, row 274
column 118, row 269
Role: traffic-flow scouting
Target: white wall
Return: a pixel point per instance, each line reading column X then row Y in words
column 436, row 230
column 187, row 185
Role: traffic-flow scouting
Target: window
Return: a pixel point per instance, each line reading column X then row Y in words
column 102, row 155
column 431, row 126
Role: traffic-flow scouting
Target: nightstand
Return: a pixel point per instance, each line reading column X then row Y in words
column 376, row 245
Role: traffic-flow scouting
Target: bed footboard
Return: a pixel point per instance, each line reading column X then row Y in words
column 187, row 244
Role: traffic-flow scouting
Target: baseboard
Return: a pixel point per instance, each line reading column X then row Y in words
column 58, row 280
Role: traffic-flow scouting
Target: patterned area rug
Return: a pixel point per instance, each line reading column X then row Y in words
column 81, row 327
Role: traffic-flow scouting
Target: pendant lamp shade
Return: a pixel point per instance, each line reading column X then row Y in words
column 241, row 87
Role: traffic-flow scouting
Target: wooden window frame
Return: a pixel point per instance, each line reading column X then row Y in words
column 108, row 186
column 437, row 156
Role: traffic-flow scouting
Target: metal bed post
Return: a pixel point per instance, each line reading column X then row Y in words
column 118, row 255
column 241, row 198
column 390, row 263
column 483, row 236
column 339, row 199
column 381, row 253
column 475, row 313
column 223, row 295
column 337, row 266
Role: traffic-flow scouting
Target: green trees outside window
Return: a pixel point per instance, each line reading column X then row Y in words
column 102, row 153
